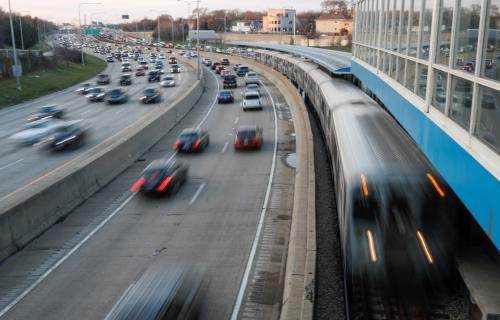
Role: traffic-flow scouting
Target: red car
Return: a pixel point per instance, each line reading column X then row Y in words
column 248, row 137
column 140, row 72
column 219, row 69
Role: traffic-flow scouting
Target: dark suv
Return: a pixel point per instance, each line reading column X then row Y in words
column 125, row 80
column 154, row 76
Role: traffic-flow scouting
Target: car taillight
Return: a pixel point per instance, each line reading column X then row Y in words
column 138, row 184
column 164, row 184
column 197, row 144
column 177, row 145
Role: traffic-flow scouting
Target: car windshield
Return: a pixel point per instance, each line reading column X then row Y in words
column 247, row 133
column 102, row 76
column 252, row 87
column 168, row 78
column 115, row 92
column 37, row 125
column 252, row 97
column 251, row 74
column 188, row 136
column 65, row 129
column 149, row 91
column 225, row 93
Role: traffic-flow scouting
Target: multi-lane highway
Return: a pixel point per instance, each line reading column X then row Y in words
column 20, row 165
column 82, row 266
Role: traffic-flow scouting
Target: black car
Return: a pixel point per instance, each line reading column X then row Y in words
column 96, row 94
column 125, row 80
column 162, row 176
column 110, row 59
column 116, row 96
column 150, row 95
column 192, row 140
column 225, row 96
column 71, row 134
column 175, row 68
column 230, row 81
column 214, row 65
column 103, row 79
column 154, row 76
column 50, row 111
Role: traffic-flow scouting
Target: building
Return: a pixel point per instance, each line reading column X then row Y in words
column 241, row 26
column 435, row 65
column 334, row 24
column 278, row 21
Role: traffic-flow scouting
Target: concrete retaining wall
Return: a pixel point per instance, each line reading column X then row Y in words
column 322, row 41
column 30, row 210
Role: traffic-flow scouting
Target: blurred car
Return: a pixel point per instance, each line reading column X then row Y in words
column 125, row 80
column 50, row 111
column 172, row 60
column 35, row 131
column 224, row 61
column 144, row 65
column 229, row 81
column 225, row 72
column 96, row 94
column 153, row 76
column 207, row 62
column 252, row 87
column 84, row 88
column 242, row 70
column 161, row 56
column 219, row 69
column 251, row 100
column 159, row 68
column 162, row 176
column 69, row 134
column 236, row 65
column 126, row 67
column 150, row 95
column 192, row 140
column 140, row 72
column 110, row 59
column 215, row 65
column 168, row 81
column 248, row 137
column 225, row 96
column 175, row 68
column 103, row 79
column 251, row 77
column 116, row 96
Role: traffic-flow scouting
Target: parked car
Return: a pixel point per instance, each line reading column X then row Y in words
column 162, row 176
column 125, row 80
column 116, row 96
column 150, row 95
column 192, row 140
column 50, row 111
column 248, row 137
column 225, row 96
column 103, row 79
column 96, row 94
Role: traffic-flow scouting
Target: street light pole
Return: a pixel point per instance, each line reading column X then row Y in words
column 18, row 80
column 159, row 39
column 198, row 37
column 80, row 24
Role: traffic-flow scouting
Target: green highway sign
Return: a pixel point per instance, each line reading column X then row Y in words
column 91, row 31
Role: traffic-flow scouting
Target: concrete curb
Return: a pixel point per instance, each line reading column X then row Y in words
column 33, row 208
column 298, row 295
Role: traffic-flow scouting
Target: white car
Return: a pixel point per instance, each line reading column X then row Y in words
column 162, row 56
column 251, row 100
column 35, row 131
column 251, row 77
column 193, row 54
column 168, row 81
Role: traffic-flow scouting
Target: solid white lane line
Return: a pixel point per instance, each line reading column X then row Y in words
column 236, row 120
column 64, row 258
column 213, row 103
column 246, row 275
column 225, row 147
column 11, row 164
column 197, row 194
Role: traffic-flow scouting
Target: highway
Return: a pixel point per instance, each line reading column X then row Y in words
column 81, row 266
column 20, row 165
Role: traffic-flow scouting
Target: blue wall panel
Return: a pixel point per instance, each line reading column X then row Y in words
column 477, row 188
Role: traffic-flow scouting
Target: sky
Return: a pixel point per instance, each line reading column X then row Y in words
column 110, row 11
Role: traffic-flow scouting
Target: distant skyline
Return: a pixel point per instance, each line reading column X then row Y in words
column 110, row 11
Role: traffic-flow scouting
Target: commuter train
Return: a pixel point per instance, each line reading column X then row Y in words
column 397, row 217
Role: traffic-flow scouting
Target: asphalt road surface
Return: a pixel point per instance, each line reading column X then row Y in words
column 80, row 267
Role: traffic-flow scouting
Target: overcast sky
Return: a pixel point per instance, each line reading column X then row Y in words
column 111, row 10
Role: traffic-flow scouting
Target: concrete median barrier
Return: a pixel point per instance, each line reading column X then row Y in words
column 30, row 210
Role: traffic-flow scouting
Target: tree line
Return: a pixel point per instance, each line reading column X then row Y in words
column 32, row 29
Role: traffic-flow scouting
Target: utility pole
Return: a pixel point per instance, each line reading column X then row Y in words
column 17, row 68
column 198, row 37
column 21, row 31
column 159, row 28
column 80, row 24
